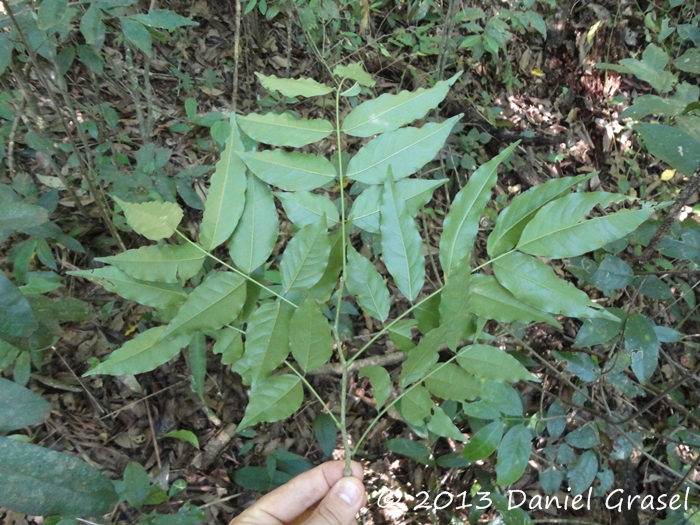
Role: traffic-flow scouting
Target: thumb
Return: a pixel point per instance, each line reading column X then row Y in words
column 341, row 504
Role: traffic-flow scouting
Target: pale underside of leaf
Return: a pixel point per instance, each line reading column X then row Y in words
column 293, row 87
column 303, row 207
column 143, row 353
column 226, row 198
column 402, row 249
column 290, row 171
column 462, row 222
column 305, row 258
column 364, row 281
column 389, row 112
column 406, row 150
column 168, row 263
column 284, row 129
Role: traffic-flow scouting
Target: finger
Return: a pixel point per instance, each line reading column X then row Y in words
column 341, row 505
column 285, row 504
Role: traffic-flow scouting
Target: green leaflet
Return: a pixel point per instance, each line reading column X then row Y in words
column 402, row 247
column 409, row 448
column 512, row 221
column 255, row 236
column 168, row 263
column 284, row 129
column 136, row 33
column 153, row 220
column 157, row 295
column 365, row 282
column 422, row 357
column 20, row 407
column 642, row 344
column 310, row 338
column 406, row 150
column 322, row 290
column 462, row 222
column 448, row 381
column 90, row 24
column 536, row 284
column 300, row 87
column 226, row 198
column 416, row 193
column 556, row 232
column 164, row 19
column 513, row 455
column 267, row 342
column 381, row 383
column 354, row 71
column 42, row 482
column 442, row 425
column 416, row 405
column 490, row 362
column 490, row 300
column 211, row 305
column 229, row 344
column 453, row 309
column 197, row 352
column 51, row 12
column 143, row 353
column 16, row 316
column 305, row 258
column 389, row 112
column 303, row 207
column 290, row 171
column 183, row 435
column 18, row 214
column 272, row 399
column 671, row 145
column 482, row 444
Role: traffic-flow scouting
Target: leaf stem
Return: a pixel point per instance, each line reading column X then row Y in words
column 336, row 333
column 235, row 270
column 313, row 391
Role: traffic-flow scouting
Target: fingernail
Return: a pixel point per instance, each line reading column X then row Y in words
column 349, row 492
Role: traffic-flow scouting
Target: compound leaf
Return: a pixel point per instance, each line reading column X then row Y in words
column 462, row 222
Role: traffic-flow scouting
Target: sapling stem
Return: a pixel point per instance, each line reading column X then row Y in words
column 341, row 286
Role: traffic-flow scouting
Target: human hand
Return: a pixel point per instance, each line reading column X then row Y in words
column 321, row 496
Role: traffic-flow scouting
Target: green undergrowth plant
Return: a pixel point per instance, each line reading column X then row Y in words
column 276, row 318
